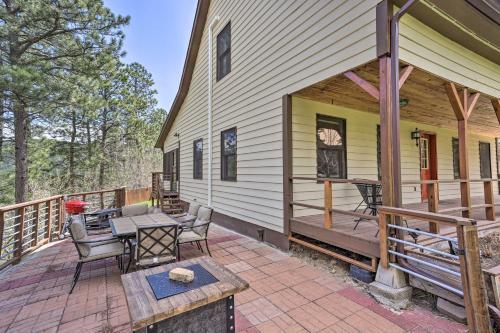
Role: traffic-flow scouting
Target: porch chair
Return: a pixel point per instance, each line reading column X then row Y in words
column 156, row 245
column 188, row 217
column 92, row 249
column 197, row 232
column 135, row 210
column 372, row 198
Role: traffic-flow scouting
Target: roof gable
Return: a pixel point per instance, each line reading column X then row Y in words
column 187, row 72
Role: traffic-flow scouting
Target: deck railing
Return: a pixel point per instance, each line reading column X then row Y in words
column 28, row 225
column 328, row 200
column 398, row 252
column 466, row 207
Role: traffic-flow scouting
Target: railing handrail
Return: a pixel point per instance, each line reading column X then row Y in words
column 29, row 203
column 94, row 192
column 428, row 216
column 338, row 180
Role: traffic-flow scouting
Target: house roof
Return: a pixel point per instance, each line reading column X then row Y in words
column 187, row 72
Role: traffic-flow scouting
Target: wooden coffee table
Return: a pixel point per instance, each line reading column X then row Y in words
column 209, row 308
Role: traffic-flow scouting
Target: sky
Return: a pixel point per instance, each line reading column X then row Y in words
column 157, row 37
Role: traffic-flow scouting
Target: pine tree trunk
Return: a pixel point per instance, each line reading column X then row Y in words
column 89, row 141
column 102, row 165
column 72, row 151
column 21, row 150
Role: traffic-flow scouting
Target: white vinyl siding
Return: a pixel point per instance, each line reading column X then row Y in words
column 362, row 156
column 427, row 49
column 277, row 47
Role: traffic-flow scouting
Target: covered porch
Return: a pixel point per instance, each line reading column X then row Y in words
column 447, row 147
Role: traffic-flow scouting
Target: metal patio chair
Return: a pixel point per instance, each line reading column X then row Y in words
column 92, row 249
column 198, row 232
column 372, row 198
column 188, row 217
column 156, row 245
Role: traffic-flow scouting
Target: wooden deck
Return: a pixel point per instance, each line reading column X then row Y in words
column 363, row 240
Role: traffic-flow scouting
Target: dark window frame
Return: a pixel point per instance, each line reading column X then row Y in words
column 489, row 175
column 224, row 156
column 223, row 71
column 320, row 146
column 455, row 151
column 197, row 160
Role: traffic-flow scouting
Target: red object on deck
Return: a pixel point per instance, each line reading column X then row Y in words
column 75, row 206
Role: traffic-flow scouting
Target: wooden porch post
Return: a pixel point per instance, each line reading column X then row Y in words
column 287, row 164
column 386, row 131
column 463, row 109
column 328, row 205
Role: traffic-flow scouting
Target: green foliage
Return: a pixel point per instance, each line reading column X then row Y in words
column 82, row 119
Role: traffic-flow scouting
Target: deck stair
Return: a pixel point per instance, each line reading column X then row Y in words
column 171, row 203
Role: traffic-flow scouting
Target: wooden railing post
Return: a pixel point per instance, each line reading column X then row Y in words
column 489, row 199
column 2, row 226
column 384, row 255
column 433, row 204
column 328, row 205
column 20, row 234
column 48, row 223
column 36, row 215
column 476, row 305
column 60, row 215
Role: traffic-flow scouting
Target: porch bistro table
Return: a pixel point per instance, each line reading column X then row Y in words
column 209, row 308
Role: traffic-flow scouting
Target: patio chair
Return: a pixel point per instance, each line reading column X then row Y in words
column 156, row 245
column 197, row 232
column 135, row 210
column 189, row 217
column 92, row 249
column 372, row 198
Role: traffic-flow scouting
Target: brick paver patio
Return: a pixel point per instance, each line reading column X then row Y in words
column 286, row 295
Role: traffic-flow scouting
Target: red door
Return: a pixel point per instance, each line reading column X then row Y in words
column 428, row 161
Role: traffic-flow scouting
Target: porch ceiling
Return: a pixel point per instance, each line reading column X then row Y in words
column 428, row 101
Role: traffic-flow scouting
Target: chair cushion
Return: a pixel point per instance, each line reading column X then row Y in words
column 204, row 215
column 78, row 233
column 189, row 236
column 135, row 210
column 193, row 209
column 104, row 251
column 187, row 219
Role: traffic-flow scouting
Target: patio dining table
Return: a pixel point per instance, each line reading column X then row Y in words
column 124, row 227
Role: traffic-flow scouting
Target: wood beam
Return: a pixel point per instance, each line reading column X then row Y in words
column 363, row 84
column 461, row 110
column 496, row 107
column 405, row 73
column 455, row 100
column 472, row 103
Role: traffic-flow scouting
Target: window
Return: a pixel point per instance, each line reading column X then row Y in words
column 331, row 154
column 228, row 154
column 379, row 155
column 198, row 159
column 424, row 153
column 456, row 158
column 224, row 52
column 485, row 159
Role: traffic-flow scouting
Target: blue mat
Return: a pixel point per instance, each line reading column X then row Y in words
column 163, row 287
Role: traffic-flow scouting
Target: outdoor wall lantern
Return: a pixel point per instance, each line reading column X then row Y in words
column 415, row 135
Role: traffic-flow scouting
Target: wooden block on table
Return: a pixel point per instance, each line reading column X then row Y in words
column 181, row 274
